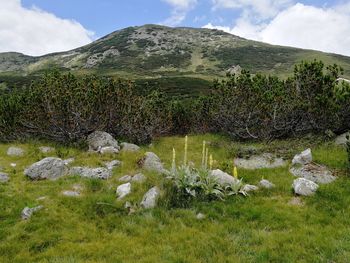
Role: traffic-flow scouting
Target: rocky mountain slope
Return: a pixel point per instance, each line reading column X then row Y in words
column 154, row 51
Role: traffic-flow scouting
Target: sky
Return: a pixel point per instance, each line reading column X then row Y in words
column 37, row 27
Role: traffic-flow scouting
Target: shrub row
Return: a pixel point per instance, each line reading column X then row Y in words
column 66, row 108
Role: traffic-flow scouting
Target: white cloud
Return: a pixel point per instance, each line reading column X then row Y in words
column 325, row 29
column 179, row 12
column 263, row 9
column 36, row 32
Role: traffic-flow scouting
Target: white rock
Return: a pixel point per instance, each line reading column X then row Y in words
column 129, row 147
column 250, row 188
column 149, row 200
column 223, row 178
column 123, row 190
column 28, row 212
column 15, row 151
column 125, row 178
column 108, row 150
column 303, row 158
column 13, row 165
column 94, row 173
column 200, row 216
column 302, row 186
column 266, row 184
column 48, row 168
column 112, row 164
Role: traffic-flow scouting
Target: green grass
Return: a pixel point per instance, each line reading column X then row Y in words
column 95, row 227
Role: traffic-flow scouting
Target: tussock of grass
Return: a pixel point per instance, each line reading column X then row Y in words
column 95, row 227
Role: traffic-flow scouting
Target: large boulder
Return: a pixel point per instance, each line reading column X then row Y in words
column 4, row 177
column 28, row 212
column 123, row 190
column 93, row 173
column 341, row 139
column 313, row 172
column 260, row 161
column 149, row 200
column 222, row 178
column 151, row 162
column 99, row 139
column 302, row 186
column 129, row 147
column 49, row 168
column 303, row 158
column 15, row 151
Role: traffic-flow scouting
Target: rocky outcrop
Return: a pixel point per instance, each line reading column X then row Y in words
column 260, row 161
column 302, row 186
column 93, row 173
column 149, row 200
column 99, row 140
column 112, row 164
column 49, row 168
column 341, row 139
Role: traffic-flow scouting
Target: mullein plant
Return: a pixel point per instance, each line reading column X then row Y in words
column 192, row 182
column 348, row 149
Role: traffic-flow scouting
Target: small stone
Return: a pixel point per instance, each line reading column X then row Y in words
column 296, row 201
column 125, row 178
column 129, row 147
column 15, row 151
column 69, row 161
column 71, row 193
column 151, row 162
column 266, row 184
column 123, row 190
column 46, row 149
column 13, row 165
column 112, row 164
column 108, row 150
column 94, row 173
column 250, row 188
column 139, row 178
column 41, row 198
column 341, row 139
column 200, row 216
column 149, row 200
column 28, row 212
column 303, row 158
column 302, row 186
column 4, row 178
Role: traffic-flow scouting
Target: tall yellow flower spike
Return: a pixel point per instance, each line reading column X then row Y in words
column 235, row 172
column 186, row 146
column 211, row 162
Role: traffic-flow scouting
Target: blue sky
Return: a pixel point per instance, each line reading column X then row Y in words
column 38, row 27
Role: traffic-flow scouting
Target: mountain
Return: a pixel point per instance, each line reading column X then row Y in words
column 158, row 52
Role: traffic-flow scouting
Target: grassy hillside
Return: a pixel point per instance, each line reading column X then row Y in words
column 155, row 52
column 269, row 226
